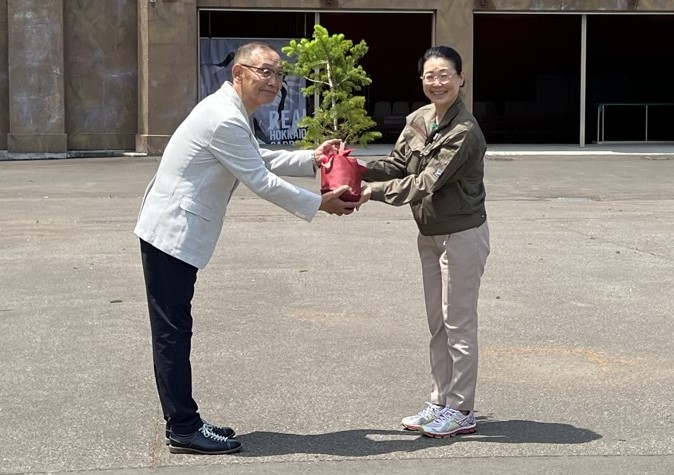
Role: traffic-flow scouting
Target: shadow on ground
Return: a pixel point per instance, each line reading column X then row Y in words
column 363, row 443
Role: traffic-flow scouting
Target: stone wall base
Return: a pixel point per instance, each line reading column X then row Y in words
column 38, row 143
column 101, row 141
column 151, row 144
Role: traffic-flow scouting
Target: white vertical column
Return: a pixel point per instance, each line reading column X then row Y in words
column 583, row 76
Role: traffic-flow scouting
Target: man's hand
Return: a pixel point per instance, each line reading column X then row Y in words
column 326, row 148
column 365, row 193
column 332, row 204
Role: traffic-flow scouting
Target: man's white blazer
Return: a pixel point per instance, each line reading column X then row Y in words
column 208, row 155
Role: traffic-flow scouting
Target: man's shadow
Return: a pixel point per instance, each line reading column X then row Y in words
column 366, row 442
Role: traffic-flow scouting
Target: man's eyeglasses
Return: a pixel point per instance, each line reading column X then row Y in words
column 443, row 78
column 266, row 73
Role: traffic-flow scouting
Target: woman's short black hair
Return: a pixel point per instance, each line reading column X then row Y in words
column 446, row 52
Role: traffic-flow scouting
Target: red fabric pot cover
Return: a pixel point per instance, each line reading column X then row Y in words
column 339, row 169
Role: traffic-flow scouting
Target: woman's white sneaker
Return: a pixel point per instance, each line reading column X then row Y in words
column 449, row 423
column 426, row 415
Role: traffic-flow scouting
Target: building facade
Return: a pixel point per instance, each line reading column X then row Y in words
column 120, row 75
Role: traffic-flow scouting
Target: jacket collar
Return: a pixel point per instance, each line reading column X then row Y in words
column 427, row 116
column 227, row 89
column 451, row 113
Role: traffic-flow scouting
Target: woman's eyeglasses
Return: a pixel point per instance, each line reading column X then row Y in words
column 442, row 78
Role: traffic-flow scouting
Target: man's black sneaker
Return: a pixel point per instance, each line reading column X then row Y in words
column 203, row 441
column 223, row 431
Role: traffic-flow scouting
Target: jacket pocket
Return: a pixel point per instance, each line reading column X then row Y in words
column 448, row 200
column 196, row 208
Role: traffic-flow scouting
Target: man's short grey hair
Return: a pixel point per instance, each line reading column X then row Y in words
column 245, row 51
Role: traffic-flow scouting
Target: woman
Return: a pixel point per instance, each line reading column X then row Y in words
column 437, row 166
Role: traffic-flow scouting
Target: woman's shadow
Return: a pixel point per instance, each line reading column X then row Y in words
column 366, row 442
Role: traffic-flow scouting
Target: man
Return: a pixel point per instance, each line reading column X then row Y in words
column 182, row 215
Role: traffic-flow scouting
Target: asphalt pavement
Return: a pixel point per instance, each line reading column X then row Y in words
column 310, row 338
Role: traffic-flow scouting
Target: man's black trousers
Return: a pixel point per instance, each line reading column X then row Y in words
column 169, row 283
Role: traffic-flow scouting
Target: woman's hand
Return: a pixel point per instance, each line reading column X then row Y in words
column 365, row 193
